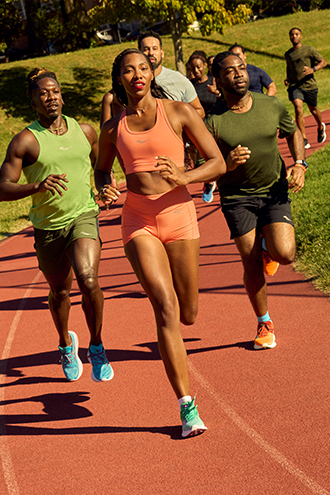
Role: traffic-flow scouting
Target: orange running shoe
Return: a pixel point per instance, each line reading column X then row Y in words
column 270, row 266
column 265, row 338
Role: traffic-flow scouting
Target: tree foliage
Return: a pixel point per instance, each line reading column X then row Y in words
column 213, row 15
column 10, row 23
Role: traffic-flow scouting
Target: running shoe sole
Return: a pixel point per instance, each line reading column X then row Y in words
column 195, row 430
column 104, row 379
column 258, row 347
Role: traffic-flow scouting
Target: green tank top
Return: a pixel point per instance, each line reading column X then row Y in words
column 67, row 154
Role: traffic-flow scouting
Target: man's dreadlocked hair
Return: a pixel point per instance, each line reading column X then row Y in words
column 156, row 91
column 35, row 75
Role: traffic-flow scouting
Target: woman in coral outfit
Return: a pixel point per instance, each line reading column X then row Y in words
column 159, row 224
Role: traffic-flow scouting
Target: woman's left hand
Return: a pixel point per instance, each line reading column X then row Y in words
column 169, row 171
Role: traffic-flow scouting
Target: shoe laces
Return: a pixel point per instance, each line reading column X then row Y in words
column 98, row 358
column 188, row 411
column 68, row 357
column 264, row 329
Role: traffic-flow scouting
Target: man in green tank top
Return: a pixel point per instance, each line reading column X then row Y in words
column 254, row 196
column 302, row 62
column 56, row 153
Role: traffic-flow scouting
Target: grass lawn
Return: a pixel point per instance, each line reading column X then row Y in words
column 85, row 77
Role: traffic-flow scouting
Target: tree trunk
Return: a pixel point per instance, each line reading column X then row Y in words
column 176, row 33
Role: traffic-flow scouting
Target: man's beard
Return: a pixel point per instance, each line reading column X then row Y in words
column 156, row 64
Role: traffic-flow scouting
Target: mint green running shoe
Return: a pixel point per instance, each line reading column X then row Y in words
column 71, row 364
column 191, row 422
column 102, row 371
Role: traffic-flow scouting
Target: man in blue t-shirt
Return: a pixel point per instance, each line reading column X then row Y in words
column 259, row 79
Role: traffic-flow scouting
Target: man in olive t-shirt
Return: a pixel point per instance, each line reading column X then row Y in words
column 254, row 196
column 302, row 62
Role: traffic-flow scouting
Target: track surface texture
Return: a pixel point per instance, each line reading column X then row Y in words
column 267, row 412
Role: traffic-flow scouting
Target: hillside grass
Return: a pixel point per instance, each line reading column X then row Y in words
column 85, row 77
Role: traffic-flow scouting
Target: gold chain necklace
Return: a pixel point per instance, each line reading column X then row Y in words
column 56, row 128
column 238, row 108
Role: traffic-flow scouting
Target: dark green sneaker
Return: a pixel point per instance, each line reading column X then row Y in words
column 191, row 422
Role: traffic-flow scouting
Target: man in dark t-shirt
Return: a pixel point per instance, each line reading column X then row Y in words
column 254, row 196
column 259, row 79
column 302, row 62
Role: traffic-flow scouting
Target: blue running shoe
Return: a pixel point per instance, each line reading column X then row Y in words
column 102, row 371
column 191, row 422
column 208, row 192
column 71, row 364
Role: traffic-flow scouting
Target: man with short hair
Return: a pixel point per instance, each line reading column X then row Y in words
column 259, row 79
column 55, row 154
column 254, row 196
column 174, row 83
column 302, row 61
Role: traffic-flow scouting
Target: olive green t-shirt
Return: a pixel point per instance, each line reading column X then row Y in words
column 296, row 60
column 257, row 129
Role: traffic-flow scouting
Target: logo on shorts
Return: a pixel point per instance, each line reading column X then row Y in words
column 287, row 218
column 85, row 233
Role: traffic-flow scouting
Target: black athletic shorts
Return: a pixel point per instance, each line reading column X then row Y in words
column 248, row 213
column 308, row 96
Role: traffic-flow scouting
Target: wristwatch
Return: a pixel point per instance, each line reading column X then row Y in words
column 302, row 164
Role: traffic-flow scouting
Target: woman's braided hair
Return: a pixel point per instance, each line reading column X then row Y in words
column 156, row 90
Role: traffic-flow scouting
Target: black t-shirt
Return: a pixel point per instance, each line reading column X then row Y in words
column 208, row 100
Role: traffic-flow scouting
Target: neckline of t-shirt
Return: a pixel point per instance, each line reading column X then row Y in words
column 56, row 135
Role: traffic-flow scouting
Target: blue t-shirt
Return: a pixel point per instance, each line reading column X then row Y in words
column 259, row 79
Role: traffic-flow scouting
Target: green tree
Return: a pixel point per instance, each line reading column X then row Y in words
column 213, row 16
column 10, row 23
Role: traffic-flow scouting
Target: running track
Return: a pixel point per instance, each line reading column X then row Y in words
column 267, row 412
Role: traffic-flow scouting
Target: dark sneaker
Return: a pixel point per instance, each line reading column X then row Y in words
column 191, row 422
column 321, row 135
column 71, row 364
column 208, row 192
column 306, row 144
column 265, row 338
column 102, row 371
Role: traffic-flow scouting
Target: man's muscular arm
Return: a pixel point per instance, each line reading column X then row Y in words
column 24, row 148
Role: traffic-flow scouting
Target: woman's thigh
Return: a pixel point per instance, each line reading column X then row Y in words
column 184, row 260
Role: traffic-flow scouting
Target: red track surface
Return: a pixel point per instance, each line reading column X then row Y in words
column 267, row 412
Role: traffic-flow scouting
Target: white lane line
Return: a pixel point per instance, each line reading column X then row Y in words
column 257, row 438
column 7, row 465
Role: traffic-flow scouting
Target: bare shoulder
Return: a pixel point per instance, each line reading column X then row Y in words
column 109, row 128
column 89, row 131
column 108, row 98
column 24, row 142
column 179, row 111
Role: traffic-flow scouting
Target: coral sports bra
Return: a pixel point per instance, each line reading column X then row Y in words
column 138, row 149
